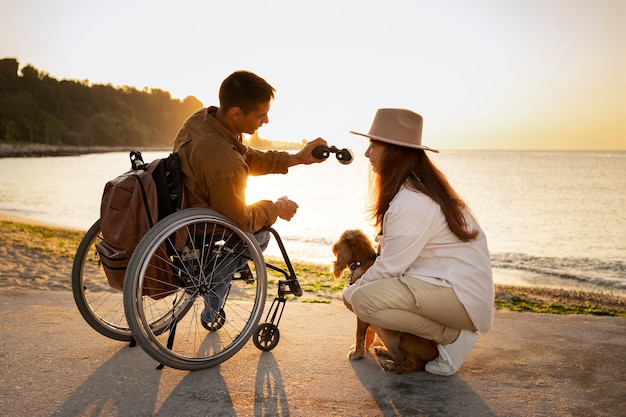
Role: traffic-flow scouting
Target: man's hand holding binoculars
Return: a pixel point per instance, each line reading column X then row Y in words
column 305, row 155
column 318, row 151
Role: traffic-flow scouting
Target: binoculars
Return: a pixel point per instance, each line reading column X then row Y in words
column 344, row 156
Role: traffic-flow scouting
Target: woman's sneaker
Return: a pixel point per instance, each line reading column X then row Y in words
column 451, row 356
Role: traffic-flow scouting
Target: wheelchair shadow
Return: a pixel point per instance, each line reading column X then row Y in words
column 418, row 393
column 207, row 392
column 117, row 387
column 199, row 393
column 129, row 383
column 270, row 398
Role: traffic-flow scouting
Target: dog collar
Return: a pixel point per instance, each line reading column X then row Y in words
column 356, row 265
column 353, row 266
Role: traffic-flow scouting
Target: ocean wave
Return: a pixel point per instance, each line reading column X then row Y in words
column 579, row 272
column 314, row 240
column 603, row 273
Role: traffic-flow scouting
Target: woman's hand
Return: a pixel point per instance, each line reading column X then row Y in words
column 347, row 304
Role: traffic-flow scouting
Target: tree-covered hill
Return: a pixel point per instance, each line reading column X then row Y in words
column 37, row 108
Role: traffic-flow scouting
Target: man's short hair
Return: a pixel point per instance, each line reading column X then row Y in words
column 245, row 90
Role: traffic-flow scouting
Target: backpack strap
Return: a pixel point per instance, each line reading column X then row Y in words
column 174, row 181
column 145, row 199
column 167, row 176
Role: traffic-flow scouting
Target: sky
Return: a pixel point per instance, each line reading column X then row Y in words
column 484, row 74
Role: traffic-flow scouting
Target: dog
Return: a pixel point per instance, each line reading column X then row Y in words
column 400, row 352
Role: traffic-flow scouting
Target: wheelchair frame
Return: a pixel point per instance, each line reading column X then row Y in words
column 198, row 249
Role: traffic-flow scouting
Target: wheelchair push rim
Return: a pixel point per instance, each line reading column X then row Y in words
column 196, row 249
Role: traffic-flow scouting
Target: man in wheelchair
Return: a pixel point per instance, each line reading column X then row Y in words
column 215, row 165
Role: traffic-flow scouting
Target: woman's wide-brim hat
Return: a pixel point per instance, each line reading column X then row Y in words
column 399, row 127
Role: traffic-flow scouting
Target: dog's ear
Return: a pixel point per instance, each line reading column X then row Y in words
column 343, row 254
column 361, row 244
column 343, row 258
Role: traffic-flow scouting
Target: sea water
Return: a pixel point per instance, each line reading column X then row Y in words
column 557, row 216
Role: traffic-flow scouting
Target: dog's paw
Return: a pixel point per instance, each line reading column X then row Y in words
column 393, row 366
column 402, row 367
column 388, row 365
column 354, row 353
column 381, row 350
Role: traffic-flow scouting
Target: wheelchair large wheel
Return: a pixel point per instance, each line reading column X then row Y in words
column 203, row 257
column 99, row 304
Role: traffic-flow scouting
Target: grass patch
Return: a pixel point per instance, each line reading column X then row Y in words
column 319, row 284
column 556, row 301
column 55, row 241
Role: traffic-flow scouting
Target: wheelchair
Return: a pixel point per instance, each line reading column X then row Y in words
column 194, row 291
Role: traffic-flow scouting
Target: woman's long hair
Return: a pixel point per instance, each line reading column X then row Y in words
column 401, row 165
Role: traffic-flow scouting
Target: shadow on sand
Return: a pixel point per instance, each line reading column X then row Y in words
column 419, row 394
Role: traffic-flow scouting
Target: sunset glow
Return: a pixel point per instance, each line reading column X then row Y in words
column 485, row 74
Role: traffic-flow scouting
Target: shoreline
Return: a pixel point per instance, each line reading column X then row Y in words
column 40, row 150
column 39, row 256
column 29, row 150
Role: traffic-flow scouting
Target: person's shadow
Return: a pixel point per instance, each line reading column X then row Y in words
column 419, row 393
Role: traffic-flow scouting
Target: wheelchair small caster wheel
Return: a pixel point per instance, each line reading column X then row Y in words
column 266, row 336
column 217, row 323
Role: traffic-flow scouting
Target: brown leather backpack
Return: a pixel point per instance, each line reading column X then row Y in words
column 132, row 203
